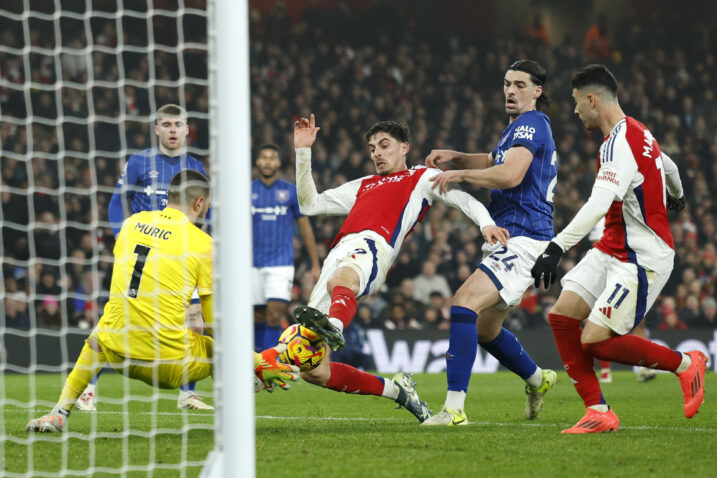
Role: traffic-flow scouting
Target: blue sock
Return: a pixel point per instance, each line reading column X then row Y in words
column 511, row 354
column 462, row 348
column 259, row 330
column 189, row 387
column 96, row 377
column 271, row 336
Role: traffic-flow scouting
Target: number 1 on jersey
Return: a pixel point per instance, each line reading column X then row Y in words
column 142, row 253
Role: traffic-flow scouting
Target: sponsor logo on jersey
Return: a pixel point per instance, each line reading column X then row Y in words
column 282, row 195
column 270, row 213
column 609, row 176
column 393, row 178
column 524, row 132
column 153, row 174
column 254, row 196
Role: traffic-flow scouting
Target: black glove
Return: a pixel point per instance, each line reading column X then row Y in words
column 676, row 205
column 546, row 267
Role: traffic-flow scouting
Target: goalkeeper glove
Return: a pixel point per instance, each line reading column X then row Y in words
column 271, row 372
column 676, row 205
column 546, row 267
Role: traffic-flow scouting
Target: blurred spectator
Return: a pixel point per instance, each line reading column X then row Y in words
column 429, row 281
column 353, row 352
column 16, row 311
column 708, row 318
column 433, row 319
column 670, row 320
column 596, row 42
column 537, row 31
column 398, row 319
column 49, row 315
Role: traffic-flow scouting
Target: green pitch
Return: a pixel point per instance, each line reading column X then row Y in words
column 309, row 432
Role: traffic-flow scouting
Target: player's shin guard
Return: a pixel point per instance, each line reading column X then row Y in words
column 633, row 350
column 462, row 348
column 578, row 363
column 347, row 379
column 88, row 364
column 343, row 304
column 511, row 354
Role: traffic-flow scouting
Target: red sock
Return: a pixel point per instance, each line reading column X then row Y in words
column 343, row 304
column 578, row 363
column 633, row 350
column 345, row 378
column 604, row 364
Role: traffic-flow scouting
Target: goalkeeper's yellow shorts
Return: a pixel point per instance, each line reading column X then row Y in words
column 167, row 373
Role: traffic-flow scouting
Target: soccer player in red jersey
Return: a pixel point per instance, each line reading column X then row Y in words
column 617, row 281
column 381, row 209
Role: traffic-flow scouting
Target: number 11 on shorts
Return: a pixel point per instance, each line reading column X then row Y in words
column 618, row 288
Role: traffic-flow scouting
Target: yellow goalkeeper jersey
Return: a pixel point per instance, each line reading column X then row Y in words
column 160, row 258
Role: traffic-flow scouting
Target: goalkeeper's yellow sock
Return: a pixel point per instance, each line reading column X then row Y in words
column 88, row 364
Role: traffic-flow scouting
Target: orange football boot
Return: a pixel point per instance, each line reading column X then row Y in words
column 692, row 382
column 595, row 422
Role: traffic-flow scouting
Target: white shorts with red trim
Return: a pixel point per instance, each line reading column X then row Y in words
column 619, row 293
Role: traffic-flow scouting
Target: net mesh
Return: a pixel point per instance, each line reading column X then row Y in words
column 80, row 81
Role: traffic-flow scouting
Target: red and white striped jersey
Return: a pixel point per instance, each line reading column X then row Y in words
column 636, row 226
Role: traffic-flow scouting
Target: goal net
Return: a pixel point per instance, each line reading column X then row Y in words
column 80, row 82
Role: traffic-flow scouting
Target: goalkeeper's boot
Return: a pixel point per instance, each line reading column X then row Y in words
column 86, row 402
column 534, row 400
column 692, row 382
column 192, row 401
column 595, row 422
column 448, row 418
column 408, row 397
column 645, row 374
column 53, row 422
column 318, row 322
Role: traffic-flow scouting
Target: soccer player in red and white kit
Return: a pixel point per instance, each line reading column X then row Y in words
column 618, row 280
column 382, row 210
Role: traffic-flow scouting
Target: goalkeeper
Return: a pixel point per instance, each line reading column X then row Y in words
column 161, row 257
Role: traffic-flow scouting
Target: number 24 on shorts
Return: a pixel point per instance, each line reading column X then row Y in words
column 507, row 261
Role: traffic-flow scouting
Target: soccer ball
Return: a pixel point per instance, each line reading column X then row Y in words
column 304, row 348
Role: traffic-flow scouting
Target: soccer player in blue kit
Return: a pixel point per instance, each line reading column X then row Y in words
column 143, row 186
column 521, row 173
column 274, row 208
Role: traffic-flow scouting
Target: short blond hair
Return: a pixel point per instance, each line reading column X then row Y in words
column 170, row 110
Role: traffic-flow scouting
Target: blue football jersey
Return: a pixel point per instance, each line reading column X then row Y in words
column 527, row 209
column 273, row 210
column 145, row 182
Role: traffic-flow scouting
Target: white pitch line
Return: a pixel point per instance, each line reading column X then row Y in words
column 375, row 419
column 108, row 412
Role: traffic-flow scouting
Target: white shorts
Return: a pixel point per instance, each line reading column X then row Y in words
column 367, row 254
column 619, row 293
column 272, row 283
column 509, row 267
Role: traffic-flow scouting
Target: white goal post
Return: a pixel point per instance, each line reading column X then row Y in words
column 231, row 150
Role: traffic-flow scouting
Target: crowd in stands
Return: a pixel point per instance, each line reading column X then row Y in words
column 448, row 88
